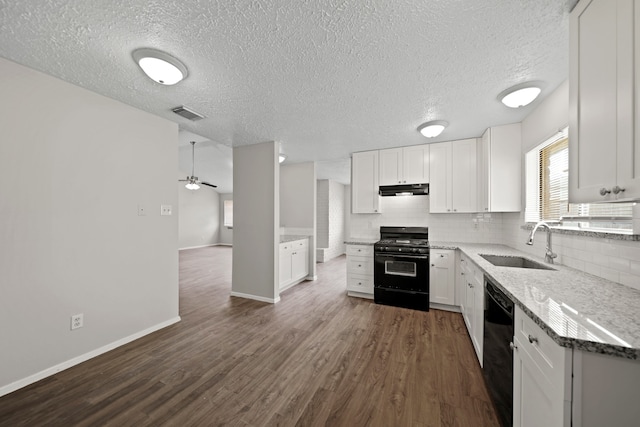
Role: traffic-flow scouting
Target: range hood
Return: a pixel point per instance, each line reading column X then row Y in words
column 404, row 190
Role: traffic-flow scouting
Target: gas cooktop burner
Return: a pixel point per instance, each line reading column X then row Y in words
column 404, row 242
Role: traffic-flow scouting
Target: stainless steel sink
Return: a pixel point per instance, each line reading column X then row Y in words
column 515, row 262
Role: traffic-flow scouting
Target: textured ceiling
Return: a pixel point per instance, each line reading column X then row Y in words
column 322, row 77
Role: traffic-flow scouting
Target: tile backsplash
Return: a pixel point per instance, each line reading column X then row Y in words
column 615, row 260
column 413, row 211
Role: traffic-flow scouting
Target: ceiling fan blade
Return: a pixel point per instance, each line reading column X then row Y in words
column 210, row 185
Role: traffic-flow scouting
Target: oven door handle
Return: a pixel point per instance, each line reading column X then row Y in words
column 403, row 256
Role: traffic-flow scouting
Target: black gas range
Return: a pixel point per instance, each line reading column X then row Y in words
column 401, row 268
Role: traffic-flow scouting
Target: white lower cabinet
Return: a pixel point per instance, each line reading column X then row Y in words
column 558, row 386
column 541, row 377
column 470, row 285
column 360, row 270
column 442, row 289
column 294, row 262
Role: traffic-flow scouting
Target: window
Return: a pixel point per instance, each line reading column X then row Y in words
column 547, row 188
column 228, row 213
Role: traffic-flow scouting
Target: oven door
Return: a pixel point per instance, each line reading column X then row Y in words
column 403, row 272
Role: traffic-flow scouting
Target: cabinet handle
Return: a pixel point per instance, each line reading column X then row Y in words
column 404, row 182
column 604, row 191
column 359, row 265
column 441, row 255
column 448, row 210
column 617, row 190
column 512, row 346
column 433, row 265
column 486, row 209
column 470, row 285
column 533, row 339
column 455, row 210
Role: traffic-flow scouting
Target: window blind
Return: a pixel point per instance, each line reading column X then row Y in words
column 554, row 180
column 228, row 213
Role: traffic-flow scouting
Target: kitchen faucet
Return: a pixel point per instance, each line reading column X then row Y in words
column 549, row 255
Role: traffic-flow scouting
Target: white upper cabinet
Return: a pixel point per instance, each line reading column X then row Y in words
column 364, row 182
column 405, row 165
column 390, row 166
column 500, row 169
column 604, row 148
column 416, row 164
column 453, row 181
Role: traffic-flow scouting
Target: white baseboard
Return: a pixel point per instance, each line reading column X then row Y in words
column 444, row 307
column 205, row 246
column 255, row 297
column 9, row 388
column 197, row 247
column 359, row 295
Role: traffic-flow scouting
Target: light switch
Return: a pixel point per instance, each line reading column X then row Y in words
column 165, row 210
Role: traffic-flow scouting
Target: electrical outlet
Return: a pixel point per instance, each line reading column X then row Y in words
column 165, row 209
column 77, row 321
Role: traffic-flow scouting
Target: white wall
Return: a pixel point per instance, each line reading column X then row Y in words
column 226, row 233
column 74, row 169
column 330, row 228
column 256, row 211
column 298, row 204
column 200, row 219
column 614, row 260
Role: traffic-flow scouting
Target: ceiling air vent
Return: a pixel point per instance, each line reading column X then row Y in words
column 187, row 113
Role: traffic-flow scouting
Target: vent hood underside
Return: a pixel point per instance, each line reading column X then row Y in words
column 404, row 190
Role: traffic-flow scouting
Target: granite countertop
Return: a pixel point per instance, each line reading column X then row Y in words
column 576, row 309
column 284, row 238
column 367, row 241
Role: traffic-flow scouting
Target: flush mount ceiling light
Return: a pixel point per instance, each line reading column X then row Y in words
column 520, row 95
column 160, row 66
column 433, row 128
column 282, row 158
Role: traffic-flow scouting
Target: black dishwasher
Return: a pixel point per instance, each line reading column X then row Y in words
column 497, row 355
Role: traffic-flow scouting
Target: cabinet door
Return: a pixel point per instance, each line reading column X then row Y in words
column 500, row 169
column 478, row 319
column 364, row 182
column 440, row 181
column 464, row 176
column 390, row 166
column 534, row 402
column 469, row 307
column 416, row 164
column 299, row 263
column 628, row 113
column 442, row 277
column 484, row 146
column 595, row 99
column 285, row 263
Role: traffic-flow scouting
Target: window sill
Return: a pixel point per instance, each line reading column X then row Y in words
column 595, row 233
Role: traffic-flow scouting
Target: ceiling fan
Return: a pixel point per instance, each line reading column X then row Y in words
column 192, row 181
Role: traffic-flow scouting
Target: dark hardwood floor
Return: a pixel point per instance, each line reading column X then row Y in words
column 316, row 358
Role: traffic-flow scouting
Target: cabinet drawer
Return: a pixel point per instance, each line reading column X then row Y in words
column 285, row 247
column 300, row 244
column 360, row 250
column 359, row 283
column 359, row 265
column 546, row 354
